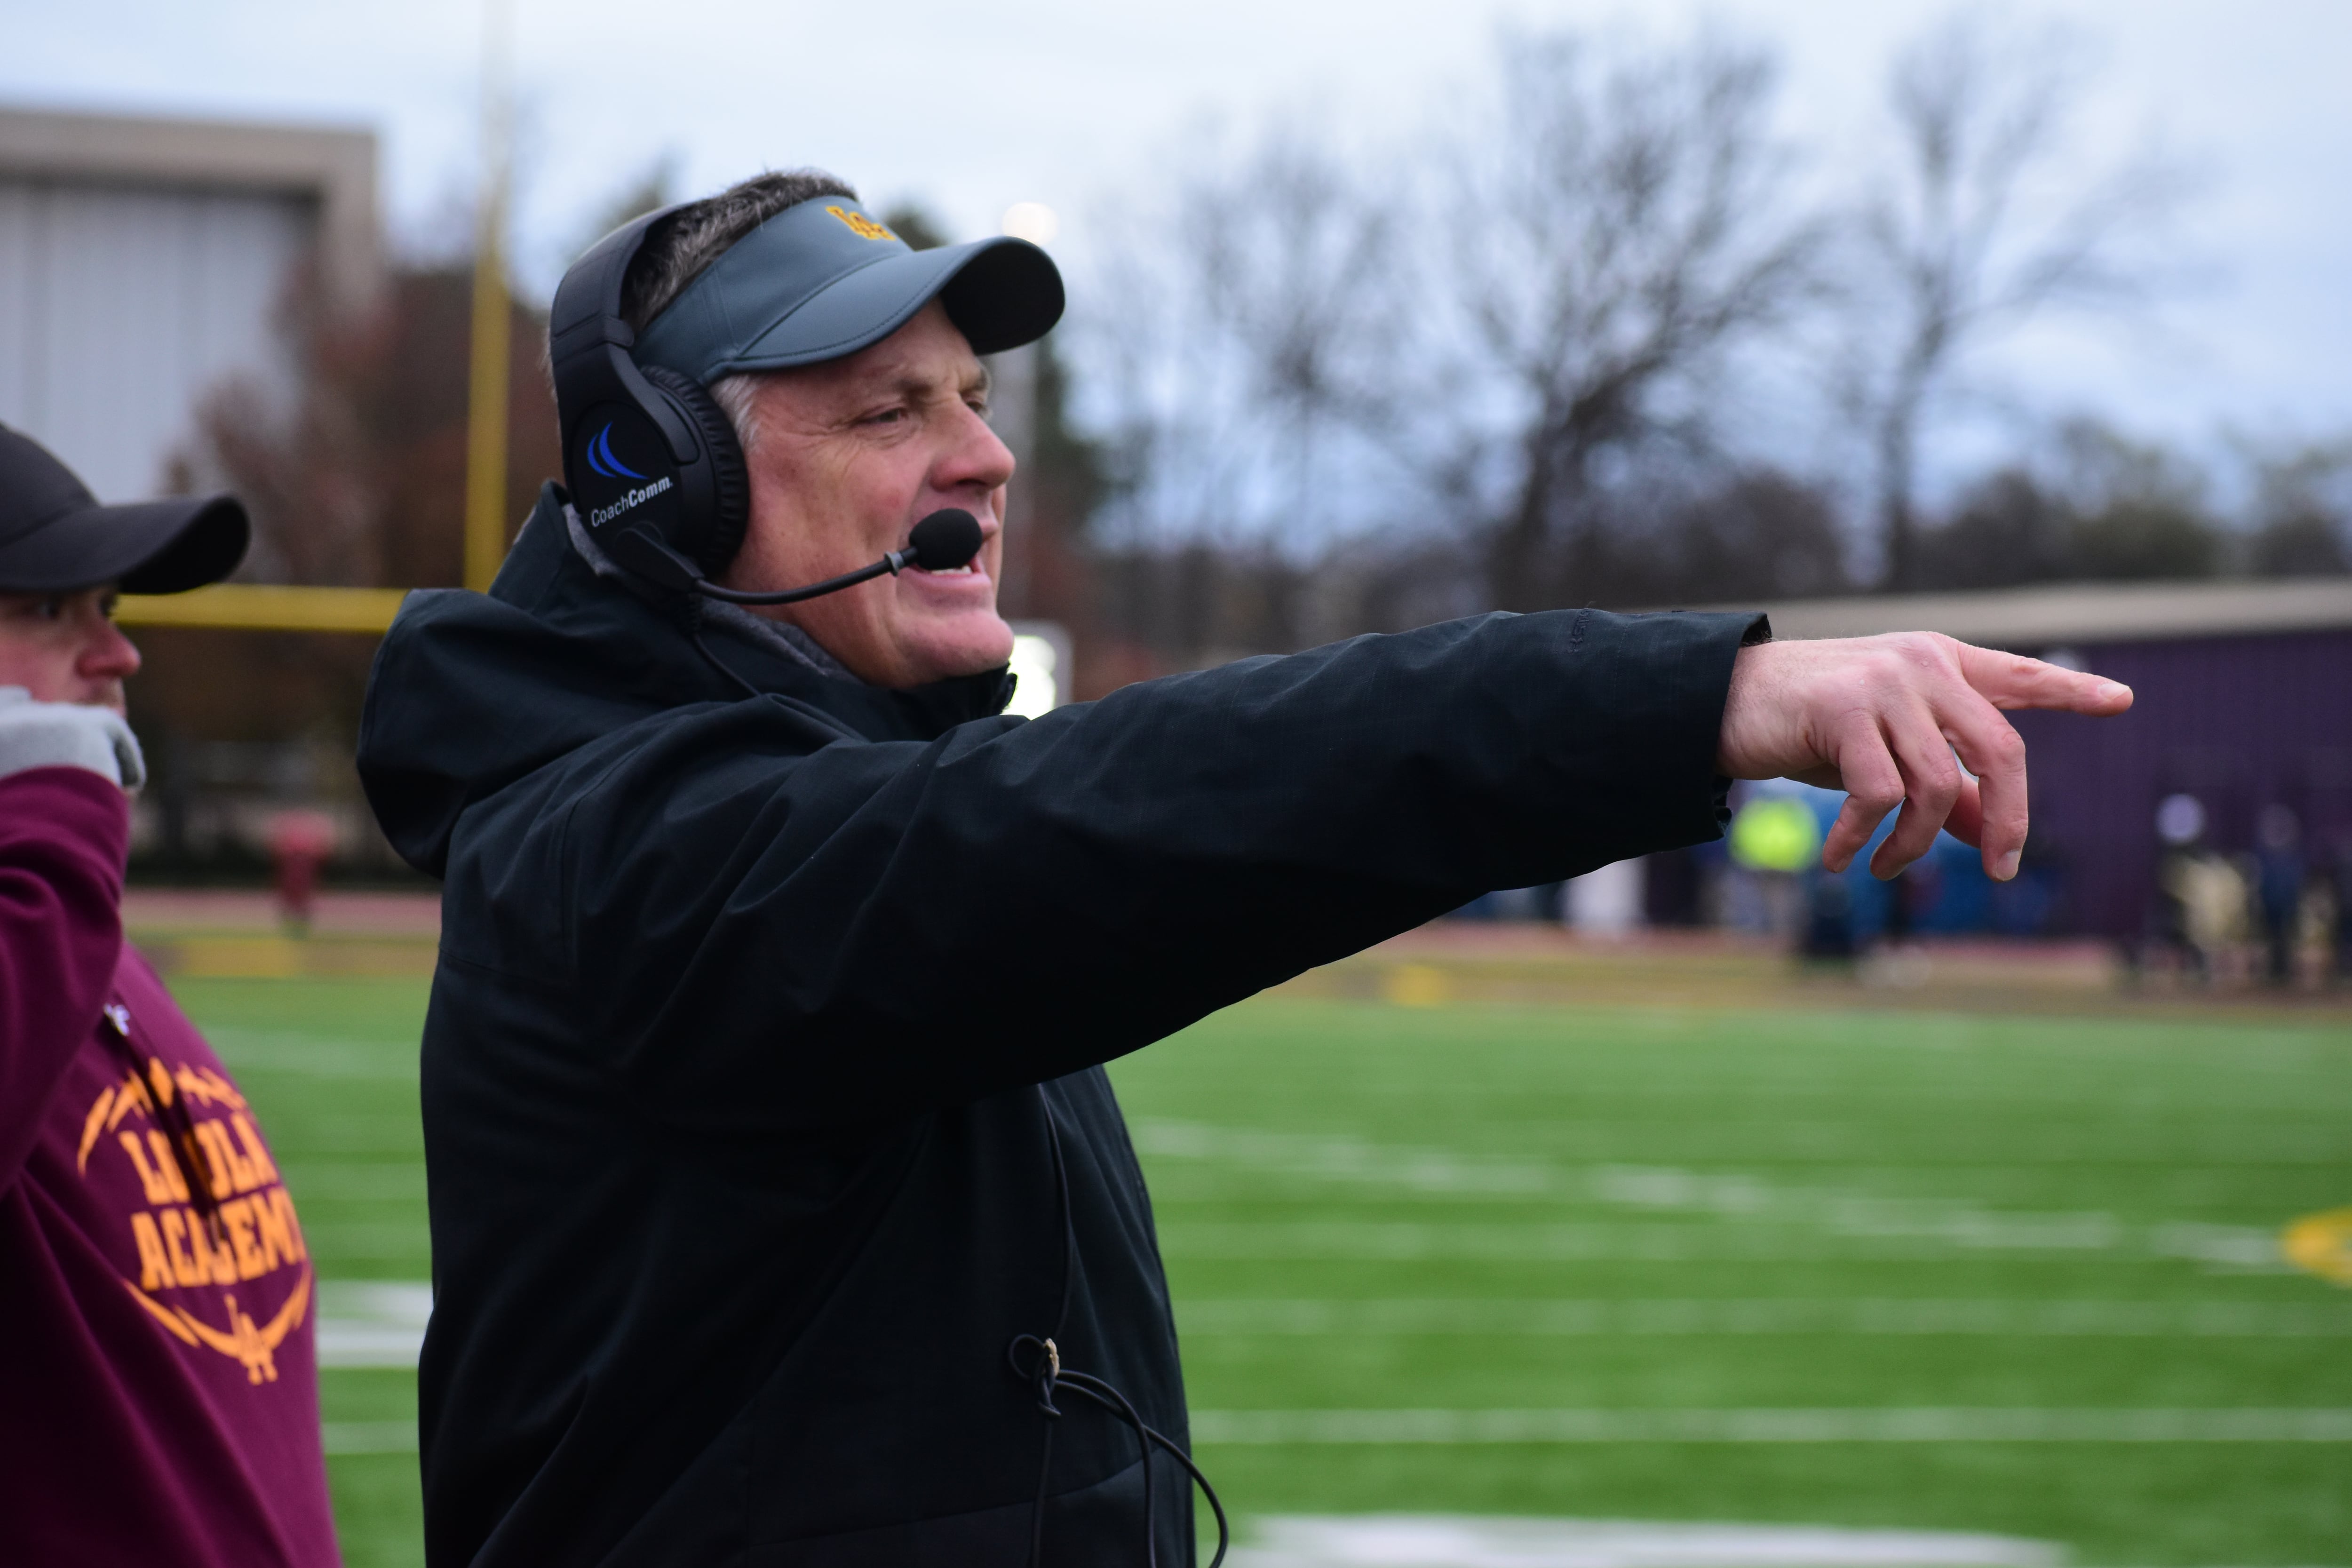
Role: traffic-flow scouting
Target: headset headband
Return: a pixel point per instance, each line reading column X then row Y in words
column 588, row 343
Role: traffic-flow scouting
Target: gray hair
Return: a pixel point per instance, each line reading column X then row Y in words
column 675, row 251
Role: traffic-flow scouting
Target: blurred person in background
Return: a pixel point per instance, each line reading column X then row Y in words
column 2180, row 857
column 782, row 1208
column 161, row 1404
column 2278, row 886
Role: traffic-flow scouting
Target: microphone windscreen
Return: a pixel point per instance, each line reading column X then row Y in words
column 945, row 540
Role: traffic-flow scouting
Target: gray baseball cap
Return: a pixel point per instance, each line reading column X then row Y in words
column 821, row 279
column 55, row 537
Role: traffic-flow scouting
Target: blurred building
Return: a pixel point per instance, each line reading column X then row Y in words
column 158, row 277
column 144, row 263
column 2244, row 706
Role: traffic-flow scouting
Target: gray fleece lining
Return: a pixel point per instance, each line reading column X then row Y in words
column 774, row 637
column 66, row 735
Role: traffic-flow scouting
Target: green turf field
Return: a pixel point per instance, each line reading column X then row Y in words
column 1991, row 1274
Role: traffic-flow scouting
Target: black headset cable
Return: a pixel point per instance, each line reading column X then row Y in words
column 1049, row 1374
column 694, row 636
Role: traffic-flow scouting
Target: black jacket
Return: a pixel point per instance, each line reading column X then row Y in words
column 741, row 1179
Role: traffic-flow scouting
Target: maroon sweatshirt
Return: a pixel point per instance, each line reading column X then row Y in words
column 159, row 1391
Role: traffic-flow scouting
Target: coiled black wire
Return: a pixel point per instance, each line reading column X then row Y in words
column 1046, row 1375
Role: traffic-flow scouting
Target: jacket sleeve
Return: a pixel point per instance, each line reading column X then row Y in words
column 754, row 931
column 63, row 831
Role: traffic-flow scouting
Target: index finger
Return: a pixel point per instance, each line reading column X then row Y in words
column 2012, row 680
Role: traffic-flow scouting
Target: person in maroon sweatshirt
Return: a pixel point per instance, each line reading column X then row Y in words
column 160, row 1401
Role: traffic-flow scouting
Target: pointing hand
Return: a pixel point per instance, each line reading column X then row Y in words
column 1882, row 718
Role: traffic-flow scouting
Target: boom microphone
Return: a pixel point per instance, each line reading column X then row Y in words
column 941, row 542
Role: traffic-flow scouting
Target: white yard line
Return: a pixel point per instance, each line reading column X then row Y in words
column 1891, row 1424
column 1753, row 1202
column 373, row 1324
column 316, row 1055
column 370, row 1436
column 1868, row 1317
column 1608, row 1241
column 366, row 1323
column 1457, row 1541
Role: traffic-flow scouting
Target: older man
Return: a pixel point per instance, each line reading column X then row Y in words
column 161, row 1399
column 781, row 1211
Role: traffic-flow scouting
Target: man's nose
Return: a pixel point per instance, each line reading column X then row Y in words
column 978, row 458
column 109, row 655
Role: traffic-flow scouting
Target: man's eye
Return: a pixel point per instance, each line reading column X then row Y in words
column 52, row 607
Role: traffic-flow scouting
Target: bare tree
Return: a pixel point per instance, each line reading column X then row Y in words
column 1238, row 337
column 1954, row 255
column 1473, row 336
column 1618, row 231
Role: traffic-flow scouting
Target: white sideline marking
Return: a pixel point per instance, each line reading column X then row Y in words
column 320, row 1056
column 1892, row 1425
column 1446, row 1541
column 369, row 1437
column 372, row 1324
column 1613, row 1241
column 1749, row 1201
column 383, row 1323
column 1882, row 1316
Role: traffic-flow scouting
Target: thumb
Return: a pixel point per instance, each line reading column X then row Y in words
column 127, row 758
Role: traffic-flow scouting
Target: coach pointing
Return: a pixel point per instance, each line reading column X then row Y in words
column 766, row 1156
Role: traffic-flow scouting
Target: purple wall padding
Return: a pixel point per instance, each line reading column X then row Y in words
column 2239, row 722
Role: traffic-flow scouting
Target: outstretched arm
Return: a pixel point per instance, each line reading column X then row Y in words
column 1894, row 720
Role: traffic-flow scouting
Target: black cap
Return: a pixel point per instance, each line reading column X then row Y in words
column 55, row 537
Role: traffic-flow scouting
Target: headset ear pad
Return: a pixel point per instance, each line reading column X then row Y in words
column 717, row 536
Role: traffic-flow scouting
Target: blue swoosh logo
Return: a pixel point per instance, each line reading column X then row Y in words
column 601, row 457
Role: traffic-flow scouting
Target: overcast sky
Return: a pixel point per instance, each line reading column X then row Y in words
column 971, row 108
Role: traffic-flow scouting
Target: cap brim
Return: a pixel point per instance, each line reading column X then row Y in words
column 1001, row 294
column 147, row 547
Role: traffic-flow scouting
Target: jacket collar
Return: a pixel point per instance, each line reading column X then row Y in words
column 551, row 578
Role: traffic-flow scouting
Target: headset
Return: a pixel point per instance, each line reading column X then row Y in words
column 652, row 462
column 650, row 458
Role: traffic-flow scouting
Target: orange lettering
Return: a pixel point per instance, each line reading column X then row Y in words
column 224, row 1158
column 263, row 1169
column 214, row 1260
column 237, row 1214
column 91, row 1125
column 184, row 1270
column 273, row 1219
column 210, row 1086
column 204, row 1167
column 165, row 1165
column 216, row 1234
column 158, row 1190
column 280, row 1223
column 160, row 1076
column 155, row 1269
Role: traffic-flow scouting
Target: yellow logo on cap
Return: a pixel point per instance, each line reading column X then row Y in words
column 861, row 225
